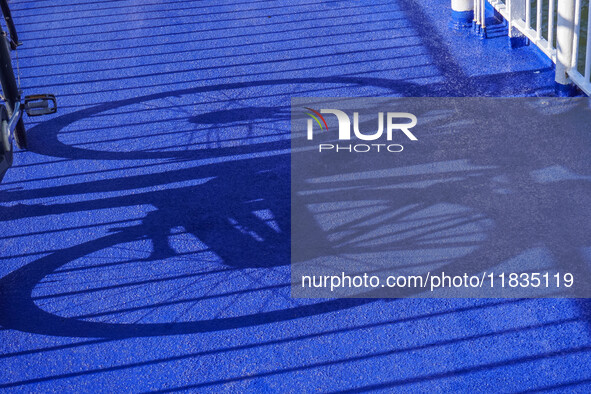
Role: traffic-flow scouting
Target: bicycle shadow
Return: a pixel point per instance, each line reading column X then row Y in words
column 223, row 213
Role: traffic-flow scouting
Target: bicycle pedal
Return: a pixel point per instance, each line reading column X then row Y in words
column 40, row 104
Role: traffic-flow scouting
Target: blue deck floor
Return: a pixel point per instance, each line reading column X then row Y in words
column 123, row 259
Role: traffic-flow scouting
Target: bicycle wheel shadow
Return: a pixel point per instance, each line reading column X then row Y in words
column 221, row 215
column 240, row 213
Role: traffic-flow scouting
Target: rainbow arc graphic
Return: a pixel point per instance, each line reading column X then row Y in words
column 315, row 116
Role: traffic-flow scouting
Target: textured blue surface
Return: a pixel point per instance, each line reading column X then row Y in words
column 144, row 241
column 462, row 19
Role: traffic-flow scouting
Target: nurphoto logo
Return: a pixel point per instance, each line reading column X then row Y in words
column 396, row 122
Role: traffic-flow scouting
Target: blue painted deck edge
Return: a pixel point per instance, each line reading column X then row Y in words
column 462, row 19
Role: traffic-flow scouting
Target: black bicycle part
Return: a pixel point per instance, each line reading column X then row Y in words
column 14, row 42
column 10, row 89
column 40, row 104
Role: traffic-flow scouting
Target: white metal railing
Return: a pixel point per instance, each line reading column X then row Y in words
column 479, row 16
column 583, row 80
column 518, row 15
column 540, row 27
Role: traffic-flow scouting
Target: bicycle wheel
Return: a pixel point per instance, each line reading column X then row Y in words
column 10, row 90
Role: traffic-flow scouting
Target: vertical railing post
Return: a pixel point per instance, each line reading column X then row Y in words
column 517, row 10
column 509, row 5
column 565, row 25
column 476, row 20
column 576, row 34
column 551, row 24
column 588, row 50
column 528, row 14
column 483, row 18
column 462, row 13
